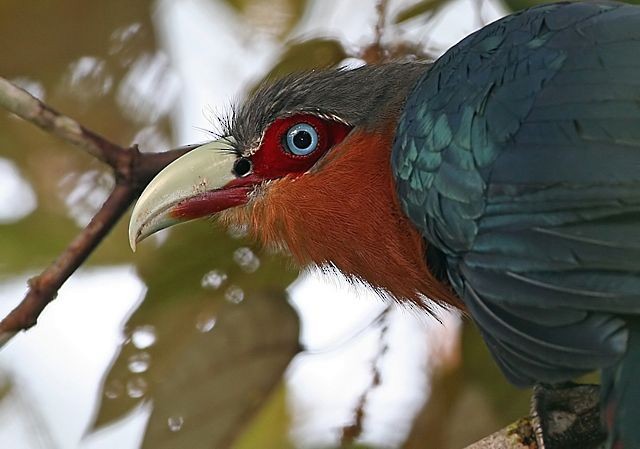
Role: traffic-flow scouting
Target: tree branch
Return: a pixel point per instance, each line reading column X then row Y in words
column 519, row 435
column 44, row 287
column 24, row 105
column 132, row 169
column 565, row 416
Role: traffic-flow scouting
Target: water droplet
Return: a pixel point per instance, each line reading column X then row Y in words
column 114, row 389
column 139, row 362
column 237, row 231
column 90, row 76
column 121, row 36
column 205, row 322
column 234, row 294
column 175, row 423
column 143, row 337
column 247, row 260
column 136, row 387
column 83, row 194
column 32, row 86
column 213, row 279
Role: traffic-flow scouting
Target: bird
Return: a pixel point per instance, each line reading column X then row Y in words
column 501, row 179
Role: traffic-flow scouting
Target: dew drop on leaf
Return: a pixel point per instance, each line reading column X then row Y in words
column 234, row 294
column 247, row 260
column 114, row 389
column 136, row 387
column 175, row 423
column 144, row 337
column 205, row 322
column 213, row 279
column 139, row 362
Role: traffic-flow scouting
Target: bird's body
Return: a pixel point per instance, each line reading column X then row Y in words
column 523, row 169
column 503, row 179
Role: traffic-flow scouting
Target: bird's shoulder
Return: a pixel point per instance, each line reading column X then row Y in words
column 466, row 110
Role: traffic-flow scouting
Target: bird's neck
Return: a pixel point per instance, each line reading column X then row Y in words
column 346, row 215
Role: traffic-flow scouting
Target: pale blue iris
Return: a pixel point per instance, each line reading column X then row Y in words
column 302, row 139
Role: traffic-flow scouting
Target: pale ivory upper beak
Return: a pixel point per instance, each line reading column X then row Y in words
column 208, row 167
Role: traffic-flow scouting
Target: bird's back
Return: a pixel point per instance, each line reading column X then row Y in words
column 546, row 96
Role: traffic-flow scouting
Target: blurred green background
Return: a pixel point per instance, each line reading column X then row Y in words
column 195, row 340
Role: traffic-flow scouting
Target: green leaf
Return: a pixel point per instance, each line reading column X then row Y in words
column 281, row 18
column 270, row 428
column 307, row 55
column 425, row 7
column 517, row 5
column 213, row 382
column 481, row 371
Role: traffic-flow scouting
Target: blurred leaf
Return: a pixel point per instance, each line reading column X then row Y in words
column 279, row 16
column 6, row 385
column 60, row 37
column 517, row 5
column 176, row 269
column 357, row 446
column 307, row 55
column 480, row 370
column 429, row 428
column 270, row 429
column 468, row 400
column 239, row 5
column 212, row 382
column 419, row 9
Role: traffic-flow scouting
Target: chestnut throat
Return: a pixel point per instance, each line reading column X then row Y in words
column 345, row 214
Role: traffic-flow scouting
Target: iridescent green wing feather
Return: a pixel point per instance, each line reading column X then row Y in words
column 518, row 157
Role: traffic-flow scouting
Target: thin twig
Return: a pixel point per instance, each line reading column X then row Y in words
column 375, row 53
column 26, row 106
column 381, row 11
column 125, row 164
column 133, row 171
column 353, row 431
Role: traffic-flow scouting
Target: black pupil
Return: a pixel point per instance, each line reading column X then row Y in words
column 242, row 167
column 302, row 139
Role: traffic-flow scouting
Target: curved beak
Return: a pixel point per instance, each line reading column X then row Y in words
column 198, row 184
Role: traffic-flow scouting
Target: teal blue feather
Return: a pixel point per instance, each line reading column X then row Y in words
column 518, row 156
column 621, row 395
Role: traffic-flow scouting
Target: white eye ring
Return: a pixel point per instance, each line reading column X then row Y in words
column 301, row 139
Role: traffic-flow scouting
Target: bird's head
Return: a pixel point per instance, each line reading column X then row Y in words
column 305, row 164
